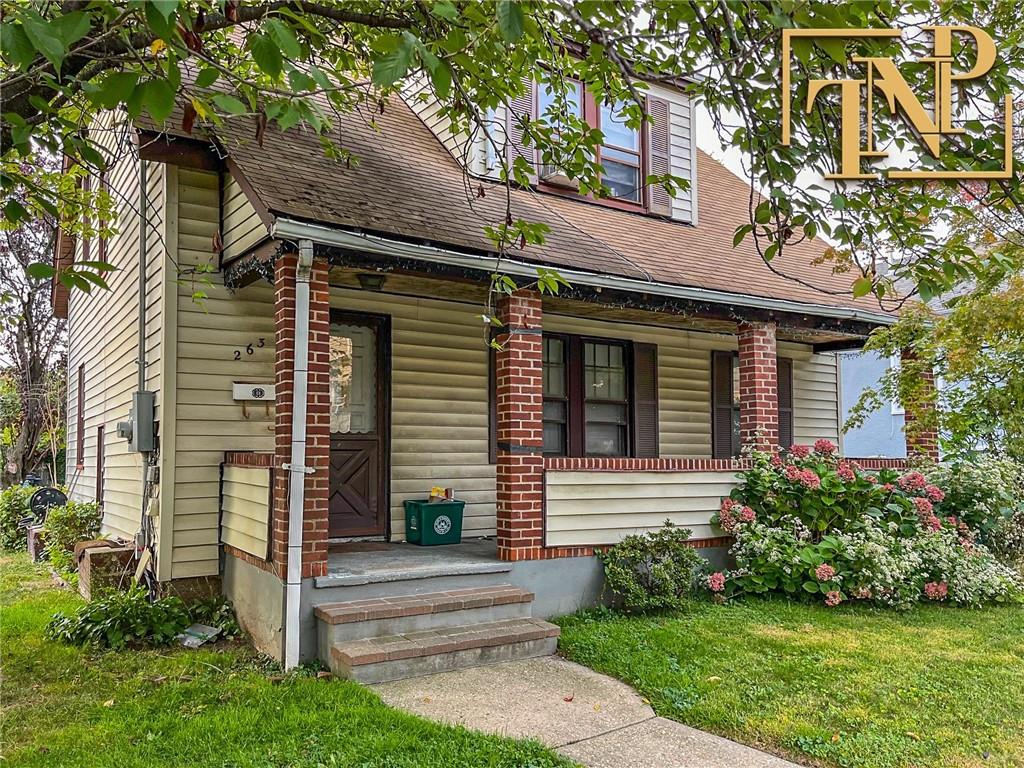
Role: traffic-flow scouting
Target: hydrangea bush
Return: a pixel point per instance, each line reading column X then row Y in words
column 807, row 523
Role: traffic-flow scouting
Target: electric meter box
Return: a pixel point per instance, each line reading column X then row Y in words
column 140, row 429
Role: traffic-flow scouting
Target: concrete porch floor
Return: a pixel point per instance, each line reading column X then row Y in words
column 401, row 561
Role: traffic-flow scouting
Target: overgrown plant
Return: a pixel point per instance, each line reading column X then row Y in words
column 652, row 571
column 65, row 526
column 808, row 524
column 13, row 507
column 117, row 619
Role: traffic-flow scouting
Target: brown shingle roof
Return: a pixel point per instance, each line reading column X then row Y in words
column 403, row 183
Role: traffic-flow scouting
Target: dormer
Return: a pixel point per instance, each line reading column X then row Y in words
column 665, row 145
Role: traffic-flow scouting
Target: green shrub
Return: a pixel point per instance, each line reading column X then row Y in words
column 66, row 526
column 810, row 525
column 116, row 619
column 652, row 571
column 13, row 507
column 983, row 492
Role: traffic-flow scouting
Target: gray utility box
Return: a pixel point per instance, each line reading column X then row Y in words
column 139, row 429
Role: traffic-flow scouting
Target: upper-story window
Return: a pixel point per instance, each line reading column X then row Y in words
column 621, row 155
column 627, row 154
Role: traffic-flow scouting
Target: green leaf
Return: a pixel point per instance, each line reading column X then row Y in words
column 165, row 7
column 16, row 46
column 285, row 38
column 72, row 27
column 763, row 213
column 158, row 99
column 266, row 54
column 811, row 586
column 445, row 10
column 40, row 271
column 511, row 21
column 862, row 286
column 43, row 37
column 441, row 77
column 116, row 88
column 14, row 211
column 207, row 77
column 392, row 67
column 834, row 47
column 229, row 104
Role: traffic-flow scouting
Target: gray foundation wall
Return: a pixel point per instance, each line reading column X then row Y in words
column 258, row 599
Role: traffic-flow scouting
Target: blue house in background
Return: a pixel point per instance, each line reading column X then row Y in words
column 881, row 434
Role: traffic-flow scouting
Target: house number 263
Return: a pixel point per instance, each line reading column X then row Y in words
column 250, row 348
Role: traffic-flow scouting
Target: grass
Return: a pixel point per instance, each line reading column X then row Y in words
column 852, row 686
column 225, row 706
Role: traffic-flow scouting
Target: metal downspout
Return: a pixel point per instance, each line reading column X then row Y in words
column 296, row 467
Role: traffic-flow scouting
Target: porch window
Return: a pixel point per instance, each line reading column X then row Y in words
column 725, row 388
column 586, row 397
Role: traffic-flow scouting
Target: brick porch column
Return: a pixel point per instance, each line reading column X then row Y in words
column 520, row 398
column 923, row 440
column 314, row 534
column 759, row 398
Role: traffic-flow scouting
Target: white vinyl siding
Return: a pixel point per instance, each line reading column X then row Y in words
column 241, row 228
column 103, row 336
column 418, row 96
column 815, row 395
column 439, row 403
column 585, row 508
column 209, row 331
column 245, row 517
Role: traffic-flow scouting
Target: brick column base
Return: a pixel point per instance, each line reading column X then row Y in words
column 315, row 512
column 759, row 394
column 520, row 396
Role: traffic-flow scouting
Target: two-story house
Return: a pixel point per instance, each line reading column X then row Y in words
column 336, row 364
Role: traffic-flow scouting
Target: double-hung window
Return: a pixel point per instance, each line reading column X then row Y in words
column 621, row 155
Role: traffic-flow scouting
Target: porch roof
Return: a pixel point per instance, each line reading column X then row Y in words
column 403, row 184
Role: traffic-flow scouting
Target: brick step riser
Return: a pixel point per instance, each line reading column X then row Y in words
column 360, row 630
column 399, row 669
column 343, row 594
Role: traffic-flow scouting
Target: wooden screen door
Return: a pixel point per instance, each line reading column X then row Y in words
column 359, row 424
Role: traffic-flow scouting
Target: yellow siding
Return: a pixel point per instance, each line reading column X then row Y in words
column 245, row 513
column 103, row 336
column 604, row 507
column 209, row 331
column 815, row 393
column 439, row 412
column 241, row 227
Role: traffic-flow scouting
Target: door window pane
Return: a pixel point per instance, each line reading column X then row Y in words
column 353, row 382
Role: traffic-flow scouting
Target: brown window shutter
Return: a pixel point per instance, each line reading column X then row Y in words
column 523, row 107
column 658, row 155
column 784, row 386
column 721, row 405
column 645, row 401
column 80, row 419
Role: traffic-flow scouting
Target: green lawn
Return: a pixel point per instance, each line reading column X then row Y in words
column 63, row 706
column 835, row 687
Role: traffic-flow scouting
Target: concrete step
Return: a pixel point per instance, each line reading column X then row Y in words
column 376, row 617
column 411, row 654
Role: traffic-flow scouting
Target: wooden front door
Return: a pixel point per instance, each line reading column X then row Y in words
column 358, row 498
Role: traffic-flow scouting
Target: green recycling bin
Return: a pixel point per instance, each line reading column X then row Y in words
column 429, row 523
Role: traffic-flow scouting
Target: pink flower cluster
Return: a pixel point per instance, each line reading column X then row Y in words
column 792, row 473
column 716, row 581
column 824, row 447
column 936, row 590
column 926, row 514
column 776, row 460
column 923, row 506
column 862, row 593
column 934, row 493
column 846, row 473
column 809, row 479
column 913, row 481
column 888, row 487
column 824, row 572
column 800, row 451
column 833, row 598
column 872, row 478
column 731, row 513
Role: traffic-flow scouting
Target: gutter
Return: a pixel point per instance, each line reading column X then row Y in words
column 296, row 467
column 289, row 229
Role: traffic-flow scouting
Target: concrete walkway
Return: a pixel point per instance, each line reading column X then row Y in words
column 589, row 717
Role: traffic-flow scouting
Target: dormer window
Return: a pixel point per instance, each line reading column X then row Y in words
column 627, row 155
column 621, row 156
